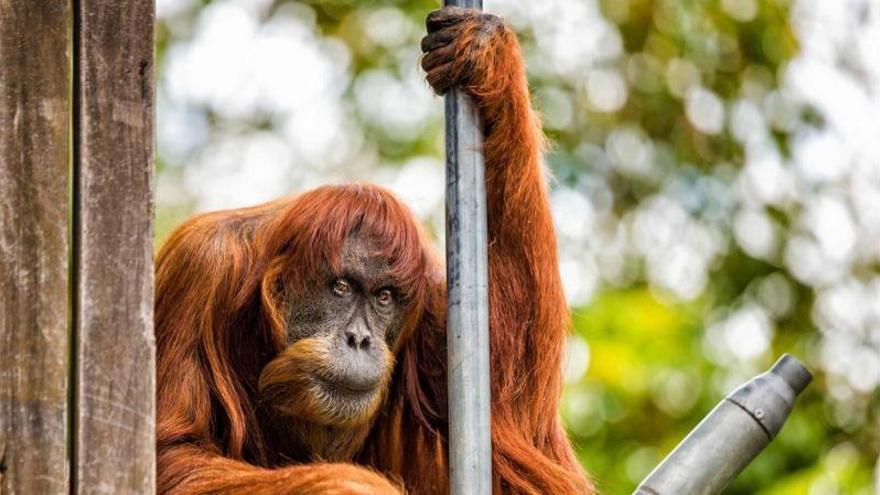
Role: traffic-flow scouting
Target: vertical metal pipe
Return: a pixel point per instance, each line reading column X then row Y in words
column 470, row 441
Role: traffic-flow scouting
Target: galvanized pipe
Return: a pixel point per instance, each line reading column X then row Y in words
column 730, row 436
column 470, row 441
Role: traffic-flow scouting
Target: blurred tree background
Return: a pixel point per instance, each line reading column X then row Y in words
column 716, row 193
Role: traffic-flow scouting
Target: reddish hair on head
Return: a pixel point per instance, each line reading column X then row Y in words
column 225, row 279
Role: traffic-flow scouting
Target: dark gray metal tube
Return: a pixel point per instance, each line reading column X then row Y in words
column 470, row 441
column 730, row 436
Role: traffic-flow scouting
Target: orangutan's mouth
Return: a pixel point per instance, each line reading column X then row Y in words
column 348, row 389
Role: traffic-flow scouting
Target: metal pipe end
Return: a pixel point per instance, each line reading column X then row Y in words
column 795, row 374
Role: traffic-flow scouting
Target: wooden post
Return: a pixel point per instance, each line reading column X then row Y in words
column 470, row 441
column 34, row 159
column 114, row 438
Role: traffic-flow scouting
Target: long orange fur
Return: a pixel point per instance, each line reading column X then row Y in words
column 218, row 323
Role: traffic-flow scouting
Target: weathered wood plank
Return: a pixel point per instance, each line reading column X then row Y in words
column 34, row 128
column 115, row 352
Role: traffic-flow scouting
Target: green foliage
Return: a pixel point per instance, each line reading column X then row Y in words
column 649, row 383
column 647, row 132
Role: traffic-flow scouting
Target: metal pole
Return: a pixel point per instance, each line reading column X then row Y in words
column 470, row 441
column 730, row 436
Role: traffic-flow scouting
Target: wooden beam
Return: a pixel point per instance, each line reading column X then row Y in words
column 114, row 443
column 34, row 162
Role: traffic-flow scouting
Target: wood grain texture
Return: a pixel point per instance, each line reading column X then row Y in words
column 34, row 158
column 115, row 351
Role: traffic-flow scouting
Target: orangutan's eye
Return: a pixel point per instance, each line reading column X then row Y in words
column 341, row 287
column 385, row 297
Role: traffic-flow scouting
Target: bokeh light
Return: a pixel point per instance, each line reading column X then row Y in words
column 716, row 190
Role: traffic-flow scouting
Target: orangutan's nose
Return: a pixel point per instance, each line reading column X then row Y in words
column 358, row 337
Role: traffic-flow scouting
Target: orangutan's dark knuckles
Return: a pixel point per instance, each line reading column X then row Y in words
column 440, row 79
column 489, row 25
column 439, row 39
column 448, row 16
column 438, row 57
column 490, row 19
